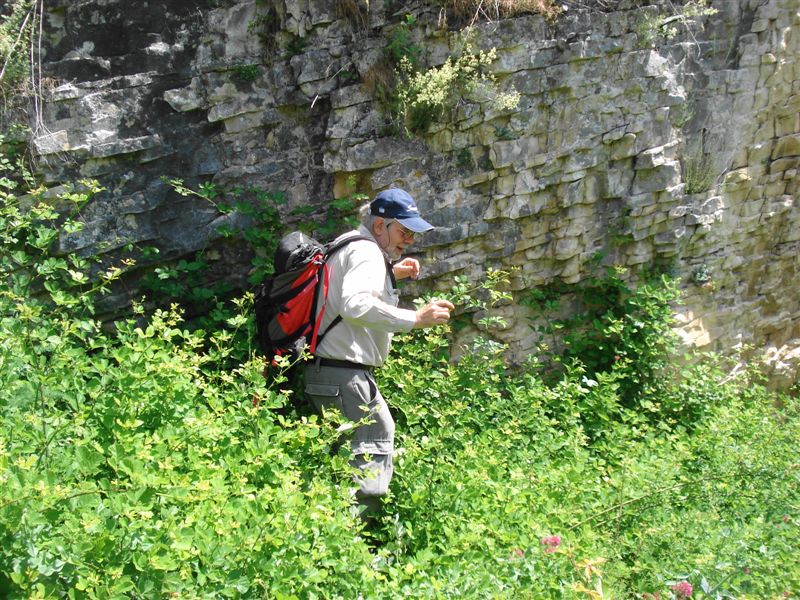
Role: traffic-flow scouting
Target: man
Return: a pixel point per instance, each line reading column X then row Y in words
column 362, row 290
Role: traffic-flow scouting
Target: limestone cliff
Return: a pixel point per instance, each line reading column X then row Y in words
column 604, row 152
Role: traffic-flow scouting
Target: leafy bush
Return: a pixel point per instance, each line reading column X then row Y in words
column 620, row 335
column 423, row 96
column 143, row 461
column 699, row 173
column 653, row 27
column 133, row 465
column 494, row 492
column 17, row 21
column 470, row 11
column 246, row 73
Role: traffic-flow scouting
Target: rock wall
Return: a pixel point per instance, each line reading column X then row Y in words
column 603, row 154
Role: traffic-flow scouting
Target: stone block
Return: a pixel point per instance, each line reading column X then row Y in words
column 566, row 248
column 713, row 205
column 650, row 159
column 669, row 237
column 526, row 182
column 701, row 220
column 692, row 329
column 739, row 177
column 614, row 134
column 125, row 146
column 229, row 103
column 244, row 122
column 617, row 182
column 782, row 165
column 678, row 212
column 67, row 91
column 787, row 146
column 624, row 147
column 504, row 185
column 660, row 178
column 52, row 143
column 571, row 271
column 638, row 253
column 184, row 99
column 787, row 124
column 517, row 153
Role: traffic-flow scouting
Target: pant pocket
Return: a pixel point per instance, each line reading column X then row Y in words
column 325, row 397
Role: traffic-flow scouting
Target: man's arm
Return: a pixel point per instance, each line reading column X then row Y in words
column 362, row 285
column 361, row 289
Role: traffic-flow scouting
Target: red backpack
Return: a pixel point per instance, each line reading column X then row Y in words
column 285, row 305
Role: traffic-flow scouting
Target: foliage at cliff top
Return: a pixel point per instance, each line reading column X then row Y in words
column 17, row 21
column 476, row 10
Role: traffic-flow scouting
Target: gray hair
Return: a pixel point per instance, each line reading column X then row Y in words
column 367, row 219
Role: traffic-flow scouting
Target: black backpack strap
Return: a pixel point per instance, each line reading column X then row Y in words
column 390, row 272
column 335, row 246
column 330, row 250
column 344, row 241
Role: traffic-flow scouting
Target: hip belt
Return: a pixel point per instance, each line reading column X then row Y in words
column 342, row 364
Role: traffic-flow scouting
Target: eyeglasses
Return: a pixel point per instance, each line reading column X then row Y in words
column 404, row 231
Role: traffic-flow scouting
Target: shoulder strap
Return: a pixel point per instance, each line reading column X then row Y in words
column 322, row 277
column 390, row 272
column 338, row 244
column 330, row 250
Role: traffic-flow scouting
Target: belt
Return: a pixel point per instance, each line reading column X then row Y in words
column 342, row 364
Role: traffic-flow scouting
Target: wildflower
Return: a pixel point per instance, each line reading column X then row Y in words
column 682, row 589
column 516, row 553
column 551, row 543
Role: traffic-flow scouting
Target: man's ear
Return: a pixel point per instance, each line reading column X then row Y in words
column 379, row 226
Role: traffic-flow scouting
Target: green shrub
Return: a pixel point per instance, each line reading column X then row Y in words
column 424, row 96
column 246, row 73
column 654, row 26
column 16, row 25
column 133, row 465
column 620, row 339
column 145, row 461
column 699, row 173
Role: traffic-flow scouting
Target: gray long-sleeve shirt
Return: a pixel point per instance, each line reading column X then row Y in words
column 361, row 291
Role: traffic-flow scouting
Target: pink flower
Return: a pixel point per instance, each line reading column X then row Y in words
column 517, row 553
column 682, row 589
column 551, row 543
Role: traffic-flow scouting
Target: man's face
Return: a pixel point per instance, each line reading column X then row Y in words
column 392, row 237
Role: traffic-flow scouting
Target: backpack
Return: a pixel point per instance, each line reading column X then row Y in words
column 286, row 303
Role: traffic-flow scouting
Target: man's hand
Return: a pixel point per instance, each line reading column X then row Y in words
column 433, row 313
column 408, row 267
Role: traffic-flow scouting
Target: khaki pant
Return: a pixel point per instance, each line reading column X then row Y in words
column 355, row 395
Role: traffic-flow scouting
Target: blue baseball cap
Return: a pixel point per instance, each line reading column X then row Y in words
column 399, row 205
